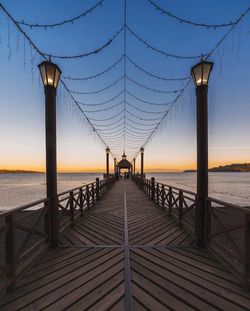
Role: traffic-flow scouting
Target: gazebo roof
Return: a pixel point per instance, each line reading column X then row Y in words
column 124, row 164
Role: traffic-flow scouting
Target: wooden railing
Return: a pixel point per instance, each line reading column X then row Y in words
column 228, row 234
column 24, row 231
column 179, row 203
column 74, row 202
column 23, row 236
column 227, row 225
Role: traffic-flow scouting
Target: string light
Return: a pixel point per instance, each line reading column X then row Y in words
column 189, row 22
column 94, row 52
column 154, row 75
column 151, row 89
column 102, row 103
column 130, row 134
column 100, row 90
column 160, row 51
column 67, row 21
column 103, row 109
column 148, row 102
column 96, row 75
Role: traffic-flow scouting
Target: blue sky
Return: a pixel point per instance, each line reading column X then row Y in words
column 173, row 147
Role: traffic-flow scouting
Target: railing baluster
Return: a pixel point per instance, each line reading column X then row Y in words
column 81, row 201
column 162, row 196
column 87, row 196
column 93, row 194
column 170, row 200
column 157, row 193
column 180, row 206
column 97, row 189
column 10, row 249
column 153, row 188
column 72, row 214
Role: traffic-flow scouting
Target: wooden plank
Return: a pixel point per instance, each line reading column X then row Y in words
column 146, row 300
column 42, row 284
column 213, row 293
column 166, row 287
column 114, row 300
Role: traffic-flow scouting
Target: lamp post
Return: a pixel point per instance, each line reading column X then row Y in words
column 134, row 165
column 142, row 162
column 50, row 74
column 200, row 74
column 107, row 161
column 115, row 170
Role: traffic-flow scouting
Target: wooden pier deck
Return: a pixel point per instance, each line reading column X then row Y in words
column 126, row 253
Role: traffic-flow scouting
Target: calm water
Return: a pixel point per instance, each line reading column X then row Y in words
column 18, row 189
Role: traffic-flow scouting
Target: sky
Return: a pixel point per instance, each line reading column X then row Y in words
column 173, row 147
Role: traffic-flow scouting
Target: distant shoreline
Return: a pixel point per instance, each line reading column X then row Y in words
column 19, row 172
column 230, row 168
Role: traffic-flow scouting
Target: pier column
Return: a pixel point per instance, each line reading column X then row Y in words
column 134, row 166
column 200, row 74
column 142, row 163
column 50, row 74
column 107, row 161
column 115, row 168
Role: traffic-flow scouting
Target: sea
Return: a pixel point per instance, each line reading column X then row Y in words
column 20, row 189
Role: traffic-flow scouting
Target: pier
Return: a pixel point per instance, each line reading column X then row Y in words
column 123, row 252
column 123, row 241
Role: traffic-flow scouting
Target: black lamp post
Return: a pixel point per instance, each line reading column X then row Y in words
column 200, row 74
column 142, row 162
column 134, row 165
column 115, row 170
column 107, row 161
column 50, row 74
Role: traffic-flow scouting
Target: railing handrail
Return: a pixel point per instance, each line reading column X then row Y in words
column 74, row 189
column 22, row 207
column 226, row 204
column 243, row 208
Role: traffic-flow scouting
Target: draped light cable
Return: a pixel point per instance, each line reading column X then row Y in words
column 181, row 93
column 99, row 90
column 193, row 23
column 44, row 56
column 96, row 75
column 67, row 21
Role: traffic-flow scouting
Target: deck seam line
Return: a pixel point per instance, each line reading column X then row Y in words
column 128, row 299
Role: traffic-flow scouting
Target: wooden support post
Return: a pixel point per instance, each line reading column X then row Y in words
column 180, row 206
column 81, row 201
column 157, row 193
column 170, row 200
column 202, row 163
column 87, row 196
column 47, row 221
column 93, row 194
column 142, row 165
column 10, row 249
column 247, row 252
column 51, row 161
column 162, row 196
column 153, row 188
column 72, row 215
column 97, row 189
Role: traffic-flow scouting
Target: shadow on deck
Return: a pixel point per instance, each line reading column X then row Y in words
column 126, row 253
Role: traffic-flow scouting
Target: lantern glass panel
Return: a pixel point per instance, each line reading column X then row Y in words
column 50, row 74
column 201, row 72
column 43, row 74
column 57, row 77
column 206, row 72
